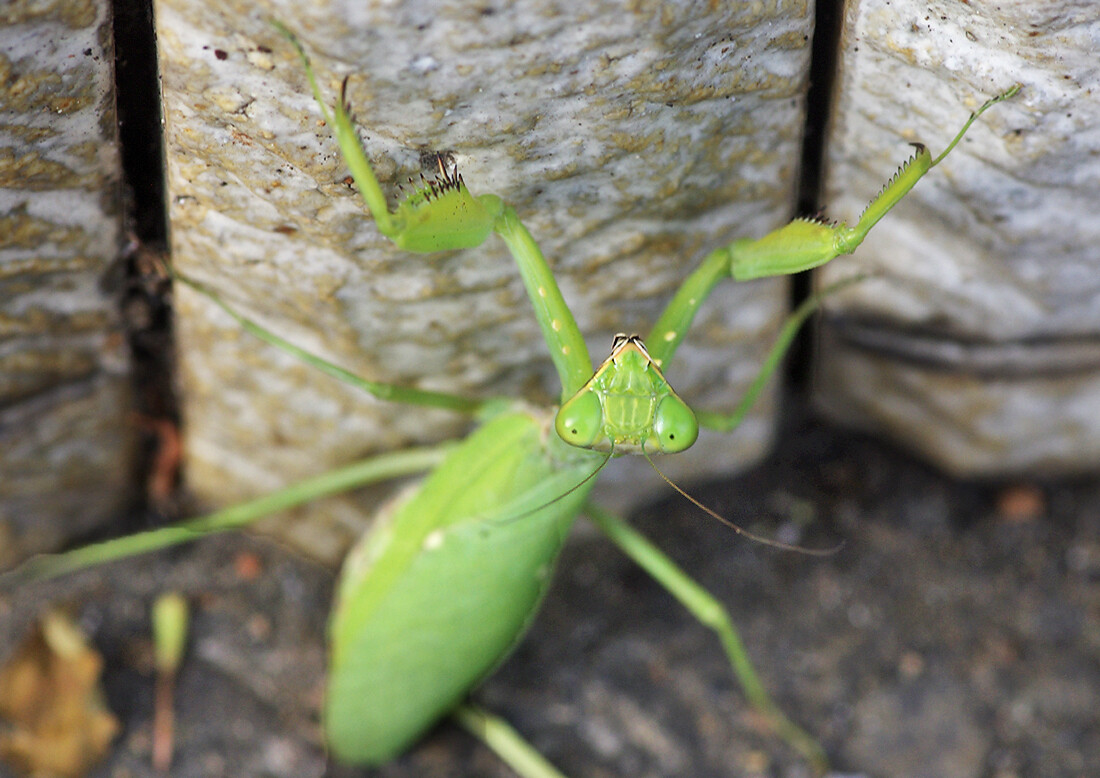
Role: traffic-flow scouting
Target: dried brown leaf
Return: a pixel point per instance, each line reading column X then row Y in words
column 57, row 721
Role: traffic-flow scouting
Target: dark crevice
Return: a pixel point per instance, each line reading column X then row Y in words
column 823, row 62
column 137, row 88
column 146, row 294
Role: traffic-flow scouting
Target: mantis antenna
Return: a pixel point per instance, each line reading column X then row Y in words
column 737, row 527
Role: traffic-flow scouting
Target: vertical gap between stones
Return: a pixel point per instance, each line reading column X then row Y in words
column 823, row 62
column 146, row 297
column 137, row 89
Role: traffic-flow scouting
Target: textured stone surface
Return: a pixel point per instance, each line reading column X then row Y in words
column 630, row 141
column 64, row 445
column 977, row 344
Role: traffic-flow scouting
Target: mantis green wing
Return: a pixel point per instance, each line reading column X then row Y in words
column 435, row 596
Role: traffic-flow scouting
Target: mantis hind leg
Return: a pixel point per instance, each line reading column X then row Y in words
column 713, row 614
column 378, row 389
column 372, row 470
column 792, row 325
column 504, row 741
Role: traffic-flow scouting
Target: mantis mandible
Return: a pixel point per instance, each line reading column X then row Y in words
column 434, row 597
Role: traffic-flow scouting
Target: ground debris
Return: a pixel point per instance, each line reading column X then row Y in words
column 56, row 721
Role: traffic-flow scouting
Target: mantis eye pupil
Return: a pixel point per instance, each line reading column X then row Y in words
column 675, row 425
column 580, row 419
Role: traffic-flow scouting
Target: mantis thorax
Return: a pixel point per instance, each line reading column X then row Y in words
column 628, row 407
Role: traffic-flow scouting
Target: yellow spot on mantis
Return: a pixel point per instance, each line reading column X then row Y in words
column 565, row 350
column 670, row 336
column 555, row 325
column 542, row 291
column 434, row 540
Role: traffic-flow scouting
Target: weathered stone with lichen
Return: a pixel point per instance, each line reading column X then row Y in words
column 64, row 441
column 976, row 340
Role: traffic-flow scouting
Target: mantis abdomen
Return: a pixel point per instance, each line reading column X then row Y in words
column 420, row 616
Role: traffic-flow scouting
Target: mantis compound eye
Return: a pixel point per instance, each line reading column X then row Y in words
column 674, row 425
column 580, row 420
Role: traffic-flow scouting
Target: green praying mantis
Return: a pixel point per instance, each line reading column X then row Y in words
column 445, row 584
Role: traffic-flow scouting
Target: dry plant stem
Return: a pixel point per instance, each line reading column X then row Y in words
column 164, row 720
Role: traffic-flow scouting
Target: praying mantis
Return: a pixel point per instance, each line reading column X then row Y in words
column 436, row 595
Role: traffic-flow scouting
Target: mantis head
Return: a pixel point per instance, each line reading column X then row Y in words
column 627, row 407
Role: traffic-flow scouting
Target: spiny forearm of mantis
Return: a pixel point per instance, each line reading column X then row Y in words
column 797, row 247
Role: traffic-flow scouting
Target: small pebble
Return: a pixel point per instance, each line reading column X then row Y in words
column 1021, row 503
column 247, row 566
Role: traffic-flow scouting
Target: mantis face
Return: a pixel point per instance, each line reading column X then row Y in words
column 627, row 407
